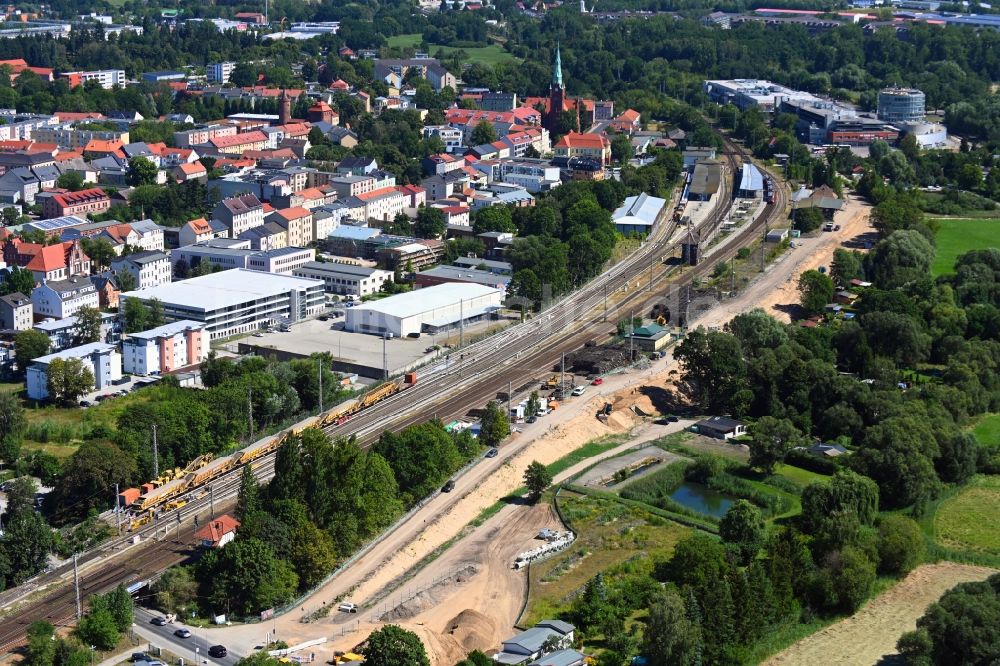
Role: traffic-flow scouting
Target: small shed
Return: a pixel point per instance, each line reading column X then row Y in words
column 776, row 235
column 218, row 532
column 720, row 427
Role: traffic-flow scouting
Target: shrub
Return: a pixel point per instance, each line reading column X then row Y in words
column 900, row 545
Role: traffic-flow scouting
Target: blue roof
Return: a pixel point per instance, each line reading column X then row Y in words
column 752, row 179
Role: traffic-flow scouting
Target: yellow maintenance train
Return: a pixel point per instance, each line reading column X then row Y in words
column 172, row 490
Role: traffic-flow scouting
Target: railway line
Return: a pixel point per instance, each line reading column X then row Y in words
column 445, row 390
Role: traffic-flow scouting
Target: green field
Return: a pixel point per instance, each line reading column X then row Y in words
column 611, row 536
column 987, row 430
column 485, row 55
column 969, row 520
column 959, row 235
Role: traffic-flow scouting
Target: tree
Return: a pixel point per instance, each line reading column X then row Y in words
column 89, row 472
column 816, row 290
column 808, row 219
column 430, row 223
column 100, row 251
column 495, row 425
column 136, row 316
column 756, row 330
column 248, row 496
column 20, row 498
column 714, row 370
column 483, row 133
column 900, row 544
column 12, row 427
column 916, row 646
column 29, row 345
column 70, row 180
column 41, row 650
column 743, row 528
column 247, row 577
column 537, row 478
column 68, row 379
column 621, row 148
column 964, row 624
column 852, row 578
column 671, row 637
column 534, row 404
column 176, row 591
column 141, row 172
column 19, row 280
column 125, row 280
column 846, row 266
column 121, row 608
column 394, row 646
column 244, row 74
column 88, row 326
column 28, row 541
column 156, row 316
column 903, row 257
column 847, row 491
column 98, row 628
column 771, row 439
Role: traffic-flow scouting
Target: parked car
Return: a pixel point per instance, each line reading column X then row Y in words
column 597, row 381
column 86, row 403
column 217, row 651
column 828, row 226
column 183, row 633
column 836, row 227
column 348, row 607
column 140, row 656
column 323, row 318
column 492, row 453
column 532, row 418
column 448, row 487
column 579, row 390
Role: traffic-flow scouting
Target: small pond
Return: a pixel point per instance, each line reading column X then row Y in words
column 702, row 499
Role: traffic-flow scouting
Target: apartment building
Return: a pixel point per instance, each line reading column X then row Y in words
column 148, row 269
column 160, row 350
column 93, row 200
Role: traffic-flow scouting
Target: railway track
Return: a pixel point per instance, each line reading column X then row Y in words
column 446, row 390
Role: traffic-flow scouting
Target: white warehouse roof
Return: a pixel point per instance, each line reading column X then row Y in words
column 751, row 180
column 641, row 209
column 417, row 302
column 224, row 289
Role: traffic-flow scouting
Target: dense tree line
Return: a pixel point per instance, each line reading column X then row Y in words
column 327, row 498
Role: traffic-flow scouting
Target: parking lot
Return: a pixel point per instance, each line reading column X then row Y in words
column 116, row 390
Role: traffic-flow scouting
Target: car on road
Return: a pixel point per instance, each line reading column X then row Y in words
column 217, row 651
column 448, row 487
column 828, row 226
column 348, row 607
column 140, row 656
column 532, row 418
column 183, row 633
column 492, row 453
column 159, row 621
column 597, row 381
column 579, row 390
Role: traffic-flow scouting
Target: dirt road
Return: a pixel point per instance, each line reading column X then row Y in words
column 871, row 633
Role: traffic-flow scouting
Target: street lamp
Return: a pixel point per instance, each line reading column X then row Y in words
column 197, row 660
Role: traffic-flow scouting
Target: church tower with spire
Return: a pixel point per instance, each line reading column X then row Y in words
column 557, row 95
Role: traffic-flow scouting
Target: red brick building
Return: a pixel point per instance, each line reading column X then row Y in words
column 92, row 200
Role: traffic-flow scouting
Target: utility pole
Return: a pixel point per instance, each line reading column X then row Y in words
column 76, row 586
column 732, row 273
column 461, row 322
column 509, row 389
column 763, row 248
column 631, row 334
column 650, row 287
column 385, row 360
column 562, row 373
column 250, row 410
column 118, row 511
column 156, row 456
column 321, row 386
column 687, row 308
column 605, row 317
column 211, row 502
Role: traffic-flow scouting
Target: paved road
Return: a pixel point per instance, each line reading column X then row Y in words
column 183, row 647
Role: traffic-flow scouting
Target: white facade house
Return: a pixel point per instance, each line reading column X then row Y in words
column 149, row 269
column 106, row 78
column 236, row 301
column 166, row 348
column 62, row 298
column 219, row 72
column 103, row 360
column 345, row 279
column 150, row 234
column 434, row 308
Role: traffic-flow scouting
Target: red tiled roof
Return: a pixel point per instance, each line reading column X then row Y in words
column 119, row 232
column 192, row 169
column 312, row 193
column 411, row 189
column 102, row 146
column 577, row 140
column 294, row 213
column 64, row 156
column 245, row 138
column 340, row 84
column 374, row 194
column 264, row 91
column 218, row 528
column 629, row 116
column 83, row 196
column 68, row 116
column 199, row 225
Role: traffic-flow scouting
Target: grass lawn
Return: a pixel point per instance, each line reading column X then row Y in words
column 609, row 534
column 957, row 236
column 486, row 55
column 969, row 520
column 802, row 477
column 987, row 430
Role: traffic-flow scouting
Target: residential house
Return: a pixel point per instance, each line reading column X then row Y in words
column 824, row 450
column 218, row 532
column 148, row 268
column 160, row 350
column 47, row 262
column 545, row 637
column 62, row 298
column 239, row 213
column 102, row 359
column 594, row 146
column 64, row 333
column 200, row 229
column 357, row 166
column 93, row 200
column 297, row 222
column 268, row 236
column 720, row 427
column 15, row 312
column 561, row 658
column 345, row 279
column 627, row 122
column 182, row 173
column 108, row 291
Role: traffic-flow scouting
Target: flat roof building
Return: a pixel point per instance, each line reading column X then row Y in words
column 165, row 348
column 901, row 105
column 706, row 180
column 345, row 279
column 445, row 274
column 431, row 309
column 751, row 181
column 236, row 301
column 747, row 93
column 102, row 359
